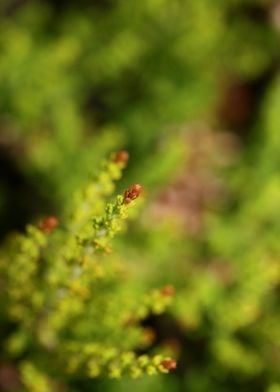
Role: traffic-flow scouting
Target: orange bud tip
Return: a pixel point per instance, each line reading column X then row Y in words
column 121, row 157
column 132, row 193
column 168, row 291
column 169, row 364
column 48, row 224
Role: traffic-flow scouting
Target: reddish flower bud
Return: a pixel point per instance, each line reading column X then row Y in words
column 169, row 364
column 132, row 193
column 121, row 157
column 168, row 291
column 48, row 224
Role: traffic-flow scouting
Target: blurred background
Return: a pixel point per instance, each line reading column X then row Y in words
column 191, row 89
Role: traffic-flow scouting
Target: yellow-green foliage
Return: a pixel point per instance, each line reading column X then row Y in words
column 69, row 301
column 80, row 79
column 112, row 69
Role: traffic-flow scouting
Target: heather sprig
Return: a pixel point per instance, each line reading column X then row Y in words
column 70, row 300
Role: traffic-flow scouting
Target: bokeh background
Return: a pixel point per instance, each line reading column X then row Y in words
column 191, row 88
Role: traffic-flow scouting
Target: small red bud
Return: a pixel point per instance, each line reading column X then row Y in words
column 121, row 157
column 168, row 291
column 132, row 193
column 48, row 224
column 169, row 364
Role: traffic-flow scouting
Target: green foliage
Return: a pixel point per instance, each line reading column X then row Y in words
column 125, row 72
column 81, row 79
column 68, row 301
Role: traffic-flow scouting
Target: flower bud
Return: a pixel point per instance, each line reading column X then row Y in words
column 169, row 364
column 48, row 224
column 132, row 193
column 168, row 291
column 121, row 157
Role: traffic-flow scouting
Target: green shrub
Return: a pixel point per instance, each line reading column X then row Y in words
column 163, row 80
